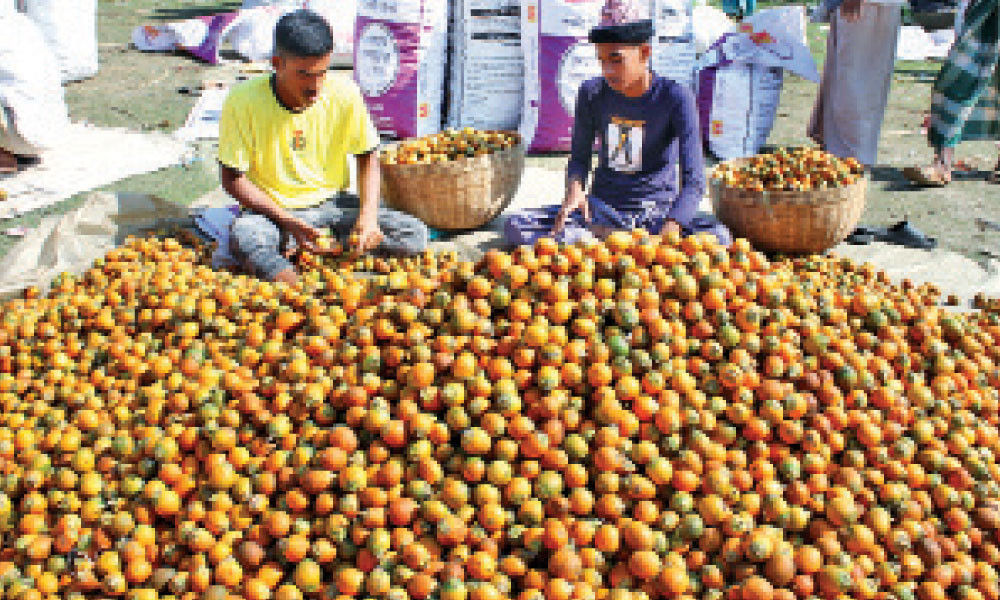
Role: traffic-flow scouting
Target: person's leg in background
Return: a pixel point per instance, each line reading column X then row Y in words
column 12, row 143
column 965, row 98
column 847, row 118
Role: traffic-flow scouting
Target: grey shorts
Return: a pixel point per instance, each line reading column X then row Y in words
column 260, row 245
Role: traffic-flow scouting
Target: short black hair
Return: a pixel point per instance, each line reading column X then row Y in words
column 303, row 33
column 636, row 32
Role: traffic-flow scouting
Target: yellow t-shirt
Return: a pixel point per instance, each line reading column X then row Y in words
column 298, row 158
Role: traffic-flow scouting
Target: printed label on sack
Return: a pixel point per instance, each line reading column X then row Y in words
column 578, row 64
column 397, row 11
column 674, row 53
column 570, row 18
column 673, row 18
column 377, row 60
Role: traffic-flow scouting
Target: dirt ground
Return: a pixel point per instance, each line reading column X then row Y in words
column 143, row 92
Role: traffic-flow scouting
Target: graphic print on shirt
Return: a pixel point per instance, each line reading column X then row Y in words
column 298, row 140
column 624, row 144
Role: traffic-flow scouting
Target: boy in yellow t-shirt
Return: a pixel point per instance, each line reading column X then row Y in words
column 283, row 146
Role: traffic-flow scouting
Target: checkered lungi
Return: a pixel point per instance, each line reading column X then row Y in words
column 965, row 102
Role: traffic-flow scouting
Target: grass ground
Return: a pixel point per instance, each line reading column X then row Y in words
column 141, row 91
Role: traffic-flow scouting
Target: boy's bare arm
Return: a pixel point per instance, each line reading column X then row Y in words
column 256, row 200
column 369, row 179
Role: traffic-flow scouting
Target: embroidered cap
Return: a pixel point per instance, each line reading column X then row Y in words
column 623, row 22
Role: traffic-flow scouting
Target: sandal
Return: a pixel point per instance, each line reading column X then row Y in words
column 864, row 235
column 905, row 234
column 926, row 176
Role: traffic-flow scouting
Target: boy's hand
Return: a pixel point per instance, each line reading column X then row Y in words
column 305, row 234
column 571, row 204
column 670, row 226
column 369, row 234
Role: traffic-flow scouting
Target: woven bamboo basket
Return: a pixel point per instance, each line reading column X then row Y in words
column 791, row 222
column 461, row 194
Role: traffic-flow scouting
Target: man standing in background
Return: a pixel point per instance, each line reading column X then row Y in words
column 860, row 60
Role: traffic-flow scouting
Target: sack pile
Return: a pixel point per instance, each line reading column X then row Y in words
column 250, row 31
column 518, row 64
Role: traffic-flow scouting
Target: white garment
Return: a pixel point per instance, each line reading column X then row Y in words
column 847, row 118
column 30, row 86
column 70, row 29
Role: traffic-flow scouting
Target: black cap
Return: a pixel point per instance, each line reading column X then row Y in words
column 635, row 32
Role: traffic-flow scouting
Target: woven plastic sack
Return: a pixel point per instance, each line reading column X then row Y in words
column 340, row 14
column 675, row 53
column 487, row 65
column 252, row 36
column 558, row 59
column 70, row 28
column 400, row 50
column 742, row 75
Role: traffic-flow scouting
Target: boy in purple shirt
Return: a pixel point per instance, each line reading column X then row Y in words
column 650, row 171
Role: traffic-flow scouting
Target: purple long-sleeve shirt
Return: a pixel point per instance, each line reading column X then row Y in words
column 642, row 142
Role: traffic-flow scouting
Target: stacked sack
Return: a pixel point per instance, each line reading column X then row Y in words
column 400, row 50
column 558, row 58
column 254, row 40
column 487, row 65
column 675, row 55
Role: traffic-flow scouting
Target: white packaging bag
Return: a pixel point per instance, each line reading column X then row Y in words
column 70, row 28
column 710, row 24
column 739, row 86
column 154, row 38
column 30, row 86
column 558, row 59
column 487, row 65
column 675, row 54
column 340, row 15
column 400, row 50
column 253, row 36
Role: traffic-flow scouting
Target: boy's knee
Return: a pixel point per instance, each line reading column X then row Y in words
column 254, row 240
column 410, row 233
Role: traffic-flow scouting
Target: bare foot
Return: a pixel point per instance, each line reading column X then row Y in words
column 8, row 162
column 943, row 162
column 936, row 174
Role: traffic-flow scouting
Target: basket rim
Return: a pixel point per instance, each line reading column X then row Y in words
column 453, row 168
column 484, row 185
column 721, row 192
